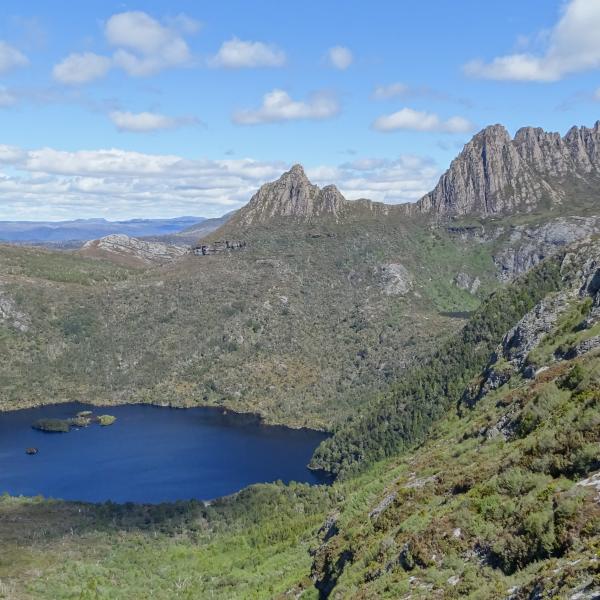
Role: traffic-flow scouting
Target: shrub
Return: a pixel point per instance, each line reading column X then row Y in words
column 539, row 409
column 574, row 378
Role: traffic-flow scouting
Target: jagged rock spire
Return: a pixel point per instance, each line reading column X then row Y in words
column 496, row 174
column 291, row 196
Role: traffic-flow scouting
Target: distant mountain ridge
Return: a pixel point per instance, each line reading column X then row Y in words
column 494, row 174
column 88, row 229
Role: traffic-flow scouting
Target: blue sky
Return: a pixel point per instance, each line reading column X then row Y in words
column 165, row 108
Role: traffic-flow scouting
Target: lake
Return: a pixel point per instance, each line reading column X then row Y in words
column 150, row 454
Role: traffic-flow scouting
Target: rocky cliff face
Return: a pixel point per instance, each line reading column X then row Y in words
column 528, row 245
column 131, row 251
column 495, row 174
column 576, row 308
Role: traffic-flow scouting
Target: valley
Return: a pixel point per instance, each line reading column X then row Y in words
column 499, row 501
column 449, row 348
column 328, row 302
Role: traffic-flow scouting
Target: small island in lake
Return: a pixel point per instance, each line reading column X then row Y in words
column 106, row 420
column 52, row 425
column 81, row 419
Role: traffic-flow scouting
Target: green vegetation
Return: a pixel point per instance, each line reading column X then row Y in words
column 255, row 545
column 81, row 419
column 106, row 419
column 492, row 501
column 298, row 328
column 52, row 425
column 403, row 416
column 59, row 267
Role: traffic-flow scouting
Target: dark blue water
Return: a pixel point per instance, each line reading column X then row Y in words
column 150, row 454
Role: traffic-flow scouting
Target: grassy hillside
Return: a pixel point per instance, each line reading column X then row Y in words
column 495, row 503
column 254, row 546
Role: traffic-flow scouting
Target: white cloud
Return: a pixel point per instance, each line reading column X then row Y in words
column 597, row 95
column 11, row 154
column 138, row 31
column 144, row 122
column 145, row 46
column 279, row 106
column 404, row 179
column 185, row 24
column 392, row 90
column 240, row 54
column 7, row 98
column 573, row 45
column 414, row 120
column 10, row 57
column 81, row 68
column 53, row 184
column 340, row 57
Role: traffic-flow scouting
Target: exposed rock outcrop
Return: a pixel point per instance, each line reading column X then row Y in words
column 394, row 278
column 529, row 245
column 495, row 174
column 581, row 271
column 466, row 282
column 11, row 315
column 218, row 247
column 527, row 334
column 132, row 251
column 292, row 195
column 387, row 501
column 583, row 347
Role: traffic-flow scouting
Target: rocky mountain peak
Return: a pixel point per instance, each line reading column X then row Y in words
column 294, row 178
column 495, row 174
column 496, row 133
column 291, row 196
column 297, row 170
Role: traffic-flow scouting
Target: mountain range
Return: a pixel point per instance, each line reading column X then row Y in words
column 81, row 230
column 493, row 175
